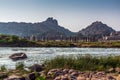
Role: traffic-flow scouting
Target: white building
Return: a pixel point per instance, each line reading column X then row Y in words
column 114, row 36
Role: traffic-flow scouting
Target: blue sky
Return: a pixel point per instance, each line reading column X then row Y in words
column 72, row 14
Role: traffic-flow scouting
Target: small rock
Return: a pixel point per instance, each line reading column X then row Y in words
column 74, row 73
column 111, row 78
column 65, row 70
column 111, row 70
column 81, row 78
column 70, row 71
column 117, row 69
column 64, row 78
column 58, row 78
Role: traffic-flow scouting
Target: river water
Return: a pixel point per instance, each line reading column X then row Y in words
column 38, row 55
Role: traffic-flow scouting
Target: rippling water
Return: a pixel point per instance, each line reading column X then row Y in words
column 38, row 55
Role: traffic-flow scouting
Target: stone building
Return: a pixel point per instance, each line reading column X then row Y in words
column 114, row 36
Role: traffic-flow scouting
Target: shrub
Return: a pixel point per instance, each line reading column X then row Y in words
column 3, row 68
column 40, row 78
column 20, row 65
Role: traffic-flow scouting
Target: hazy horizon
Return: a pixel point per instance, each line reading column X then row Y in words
column 71, row 14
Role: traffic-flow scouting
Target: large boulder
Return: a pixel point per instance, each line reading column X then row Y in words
column 36, row 67
column 18, row 56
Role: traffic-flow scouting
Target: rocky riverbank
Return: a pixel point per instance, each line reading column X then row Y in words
column 65, row 68
column 38, row 72
column 71, row 74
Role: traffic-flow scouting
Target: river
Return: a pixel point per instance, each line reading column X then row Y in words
column 38, row 55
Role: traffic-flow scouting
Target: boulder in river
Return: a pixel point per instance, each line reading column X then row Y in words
column 18, row 56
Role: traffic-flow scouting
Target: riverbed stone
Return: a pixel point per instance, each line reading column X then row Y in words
column 18, row 56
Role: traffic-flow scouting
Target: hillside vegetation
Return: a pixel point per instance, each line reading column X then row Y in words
column 106, row 44
column 14, row 41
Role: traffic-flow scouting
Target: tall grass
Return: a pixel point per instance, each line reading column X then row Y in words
column 3, row 68
column 84, row 62
column 20, row 66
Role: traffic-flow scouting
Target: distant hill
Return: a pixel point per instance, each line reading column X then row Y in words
column 96, row 29
column 49, row 27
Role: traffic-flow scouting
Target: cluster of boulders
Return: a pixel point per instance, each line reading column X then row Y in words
column 30, row 76
column 60, row 74
column 70, row 74
column 34, row 71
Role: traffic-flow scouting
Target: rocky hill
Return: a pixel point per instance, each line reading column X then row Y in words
column 41, row 29
column 96, row 29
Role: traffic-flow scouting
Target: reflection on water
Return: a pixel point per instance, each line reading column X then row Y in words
column 38, row 55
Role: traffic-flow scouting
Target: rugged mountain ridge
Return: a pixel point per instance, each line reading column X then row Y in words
column 49, row 26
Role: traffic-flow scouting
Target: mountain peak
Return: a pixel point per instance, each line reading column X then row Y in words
column 97, row 23
column 51, row 20
column 97, row 28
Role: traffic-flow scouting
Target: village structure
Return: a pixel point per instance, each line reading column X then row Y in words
column 114, row 36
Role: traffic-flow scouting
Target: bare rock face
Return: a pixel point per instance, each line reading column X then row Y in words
column 18, row 56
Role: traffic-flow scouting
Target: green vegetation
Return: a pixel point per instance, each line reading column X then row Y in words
column 20, row 66
column 84, row 62
column 78, row 44
column 3, row 68
column 8, row 39
column 56, row 43
column 15, row 41
column 19, row 69
column 100, row 44
column 40, row 78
